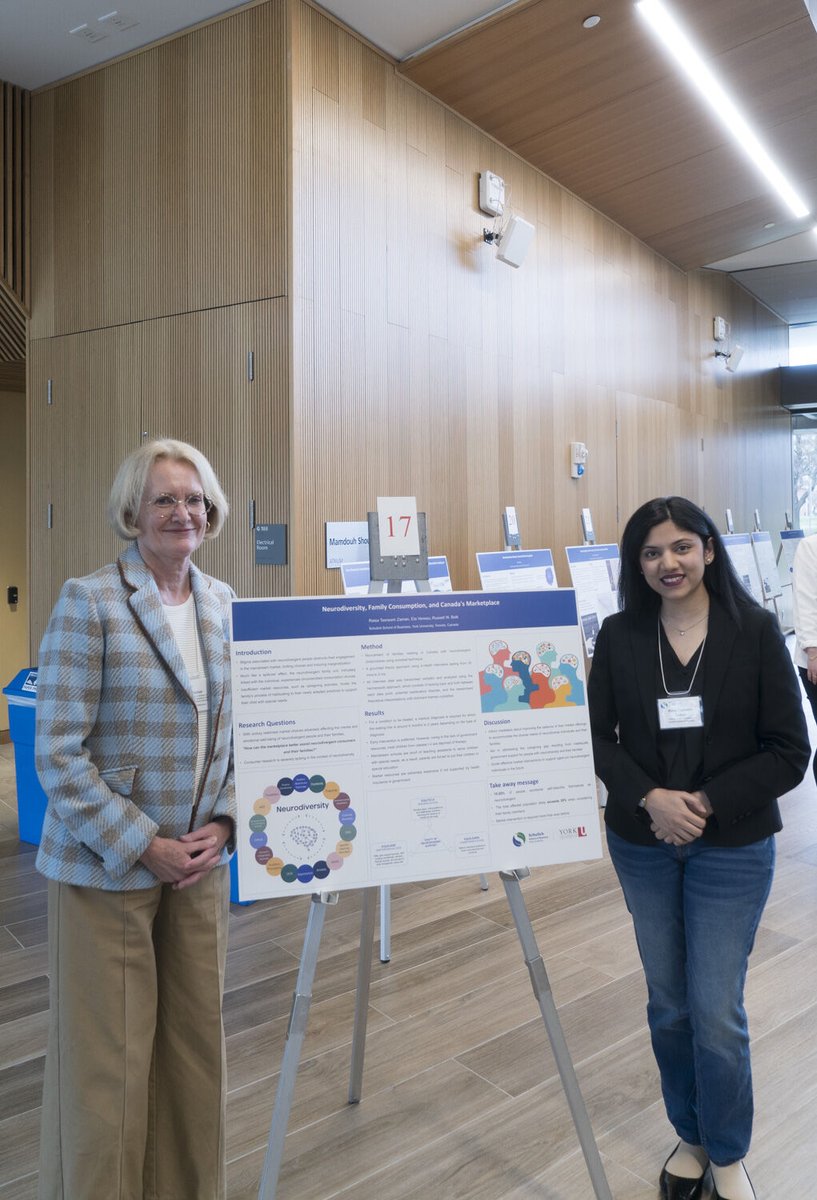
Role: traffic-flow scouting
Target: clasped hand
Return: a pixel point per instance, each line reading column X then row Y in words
column 677, row 817
column 186, row 860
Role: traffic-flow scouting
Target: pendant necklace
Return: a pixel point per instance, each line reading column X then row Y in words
column 683, row 632
column 686, row 691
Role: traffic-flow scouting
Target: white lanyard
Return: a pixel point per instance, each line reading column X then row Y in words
column 686, row 691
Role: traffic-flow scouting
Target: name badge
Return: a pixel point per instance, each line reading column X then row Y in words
column 681, row 712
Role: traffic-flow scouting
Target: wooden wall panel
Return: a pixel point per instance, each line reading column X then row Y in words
column 76, row 444
column 13, row 542
column 185, row 377
column 423, row 365
column 43, row 220
column 161, row 180
column 45, row 361
column 79, row 199
column 196, row 386
column 13, row 327
column 236, row 158
column 15, row 198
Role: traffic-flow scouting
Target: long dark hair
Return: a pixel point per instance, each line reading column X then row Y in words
column 720, row 578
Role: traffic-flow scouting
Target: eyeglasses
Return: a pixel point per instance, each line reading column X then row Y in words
column 194, row 503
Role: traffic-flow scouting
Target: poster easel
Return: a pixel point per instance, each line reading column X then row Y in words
column 302, row 999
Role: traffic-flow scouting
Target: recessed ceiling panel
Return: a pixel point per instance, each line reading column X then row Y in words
column 790, row 290
column 42, row 41
column 402, row 27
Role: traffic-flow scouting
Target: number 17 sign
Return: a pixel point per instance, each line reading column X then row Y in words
column 397, row 525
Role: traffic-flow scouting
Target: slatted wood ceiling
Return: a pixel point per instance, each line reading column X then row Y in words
column 605, row 113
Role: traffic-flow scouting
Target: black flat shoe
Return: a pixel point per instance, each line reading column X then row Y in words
column 673, row 1187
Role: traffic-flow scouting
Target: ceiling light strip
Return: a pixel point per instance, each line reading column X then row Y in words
column 664, row 25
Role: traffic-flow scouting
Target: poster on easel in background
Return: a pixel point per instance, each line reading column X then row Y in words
column 356, row 577
column 790, row 539
column 594, row 571
column 516, row 570
column 766, row 565
column 391, row 738
column 739, row 548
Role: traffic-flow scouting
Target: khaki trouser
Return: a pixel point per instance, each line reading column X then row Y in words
column 135, row 1078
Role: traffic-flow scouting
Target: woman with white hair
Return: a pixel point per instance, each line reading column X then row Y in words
column 134, row 751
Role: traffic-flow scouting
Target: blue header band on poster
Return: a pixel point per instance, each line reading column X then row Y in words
column 580, row 554
column 512, row 560
column 369, row 616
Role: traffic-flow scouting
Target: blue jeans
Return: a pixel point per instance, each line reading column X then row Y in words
column 696, row 909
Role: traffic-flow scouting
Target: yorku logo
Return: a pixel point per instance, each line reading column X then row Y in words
column 519, row 839
column 574, row 831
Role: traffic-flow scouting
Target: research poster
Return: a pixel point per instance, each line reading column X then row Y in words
column 383, row 739
column 766, row 565
column 516, row 570
column 790, row 539
column 594, row 571
column 739, row 548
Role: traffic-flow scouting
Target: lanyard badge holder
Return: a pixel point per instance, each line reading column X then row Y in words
column 680, row 710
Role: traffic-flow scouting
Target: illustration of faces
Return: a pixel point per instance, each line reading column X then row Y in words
column 493, row 693
column 542, row 693
column 547, row 653
column 499, row 651
column 520, row 665
column 514, row 694
column 569, row 667
column 561, row 688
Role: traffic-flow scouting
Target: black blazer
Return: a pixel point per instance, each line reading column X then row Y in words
column 756, row 743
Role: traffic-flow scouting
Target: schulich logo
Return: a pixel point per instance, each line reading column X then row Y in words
column 574, row 831
column 519, row 839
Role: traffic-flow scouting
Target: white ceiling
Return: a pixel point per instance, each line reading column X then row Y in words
column 37, row 48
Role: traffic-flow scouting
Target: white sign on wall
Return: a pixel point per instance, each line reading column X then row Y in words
column 346, row 541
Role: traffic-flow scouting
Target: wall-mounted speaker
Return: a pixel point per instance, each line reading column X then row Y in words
column 516, row 239
column 733, row 361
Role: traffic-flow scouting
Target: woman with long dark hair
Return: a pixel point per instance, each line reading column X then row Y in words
column 698, row 728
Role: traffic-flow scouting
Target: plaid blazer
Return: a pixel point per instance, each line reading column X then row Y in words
column 117, row 726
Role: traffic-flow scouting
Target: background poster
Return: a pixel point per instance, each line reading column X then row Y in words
column 739, row 548
column 389, row 738
column 766, row 565
column 790, row 539
column 594, row 571
column 516, row 570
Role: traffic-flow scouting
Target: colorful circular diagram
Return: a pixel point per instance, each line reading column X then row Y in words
column 302, row 833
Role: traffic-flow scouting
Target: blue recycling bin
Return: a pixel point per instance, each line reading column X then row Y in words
column 234, row 882
column 21, row 694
